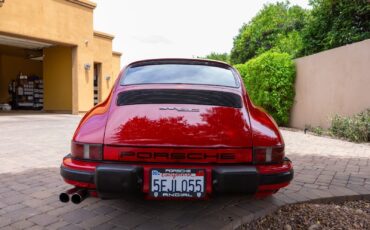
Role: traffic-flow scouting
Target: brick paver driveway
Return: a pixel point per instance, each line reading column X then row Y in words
column 32, row 146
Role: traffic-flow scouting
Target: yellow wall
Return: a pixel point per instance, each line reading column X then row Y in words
column 10, row 67
column 116, row 65
column 110, row 62
column 67, row 23
column 58, row 79
column 102, row 44
column 54, row 20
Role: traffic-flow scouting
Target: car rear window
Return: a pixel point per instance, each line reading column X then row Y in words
column 180, row 74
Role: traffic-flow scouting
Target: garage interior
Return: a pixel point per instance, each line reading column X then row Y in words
column 35, row 76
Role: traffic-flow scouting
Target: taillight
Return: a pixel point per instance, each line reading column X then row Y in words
column 87, row 151
column 263, row 155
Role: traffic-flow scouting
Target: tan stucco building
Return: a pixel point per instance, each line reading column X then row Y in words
column 55, row 41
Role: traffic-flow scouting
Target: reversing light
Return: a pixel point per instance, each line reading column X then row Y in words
column 269, row 155
column 87, row 151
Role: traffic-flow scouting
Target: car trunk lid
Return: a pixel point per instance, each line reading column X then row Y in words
column 178, row 118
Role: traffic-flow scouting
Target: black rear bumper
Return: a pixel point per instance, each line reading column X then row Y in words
column 112, row 180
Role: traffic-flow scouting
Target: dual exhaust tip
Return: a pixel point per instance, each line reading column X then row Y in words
column 76, row 195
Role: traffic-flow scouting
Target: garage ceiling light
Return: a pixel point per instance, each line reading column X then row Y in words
column 22, row 43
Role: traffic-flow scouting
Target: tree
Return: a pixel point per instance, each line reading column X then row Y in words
column 333, row 23
column 276, row 27
column 217, row 56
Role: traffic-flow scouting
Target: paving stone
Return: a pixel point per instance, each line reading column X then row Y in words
column 310, row 185
column 78, row 215
column 57, row 225
column 2, row 205
column 13, row 207
column 341, row 191
column 286, row 198
column 295, row 197
column 104, row 209
column 4, row 221
column 129, row 220
column 21, row 214
column 97, row 220
column 105, row 226
column 43, row 219
column 23, row 224
column 236, row 210
column 186, row 218
column 156, row 224
column 210, row 221
column 36, row 227
column 322, row 194
column 358, row 189
column 70, row 227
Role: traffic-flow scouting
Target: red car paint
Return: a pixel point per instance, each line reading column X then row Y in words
column 146, row 136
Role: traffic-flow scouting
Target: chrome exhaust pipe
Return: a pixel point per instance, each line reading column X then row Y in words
column 64, row 196
column 79, row 196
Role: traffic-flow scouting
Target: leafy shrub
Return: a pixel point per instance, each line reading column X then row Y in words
column 269, row 79
column 355, row 128
column 242, row 68
column 333, row 23
column 318, row 130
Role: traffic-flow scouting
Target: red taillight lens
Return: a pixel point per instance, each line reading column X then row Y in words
column 278, row 154
column 263, row 155
column 87, row 151
column 259, row 155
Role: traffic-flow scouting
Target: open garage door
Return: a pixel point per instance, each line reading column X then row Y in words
column 21, row 73
column 34, row 75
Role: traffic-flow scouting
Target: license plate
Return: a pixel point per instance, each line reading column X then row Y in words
column 181, row 183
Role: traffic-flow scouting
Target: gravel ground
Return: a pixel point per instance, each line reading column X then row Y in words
column 344, row 215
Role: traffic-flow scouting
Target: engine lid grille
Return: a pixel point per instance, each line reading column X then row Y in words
column 179, row 96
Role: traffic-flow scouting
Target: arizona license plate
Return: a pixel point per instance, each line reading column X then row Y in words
column 181, row 183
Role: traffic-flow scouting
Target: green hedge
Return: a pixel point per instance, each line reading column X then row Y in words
column 269, row 80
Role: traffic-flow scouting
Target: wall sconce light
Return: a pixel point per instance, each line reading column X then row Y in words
column 87, row 67
column 107, row 78
column 1, row 2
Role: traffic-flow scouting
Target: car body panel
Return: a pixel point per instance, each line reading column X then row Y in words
column 207, row 126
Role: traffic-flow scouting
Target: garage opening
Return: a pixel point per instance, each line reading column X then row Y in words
column 34, row 76
column 21, row 74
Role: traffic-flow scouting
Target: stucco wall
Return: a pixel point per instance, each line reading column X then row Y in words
column 11, row 67
column 51, row 20
column 332, row 82
column 58, row 79
column 101, row 44
column 116, row 65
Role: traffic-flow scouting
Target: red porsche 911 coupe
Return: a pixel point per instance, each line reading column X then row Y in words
column 176, row 129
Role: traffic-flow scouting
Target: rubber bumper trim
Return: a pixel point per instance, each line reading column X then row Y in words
column 235, row 179
column 112, row 179
column 77, row 175
column 277, row 178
